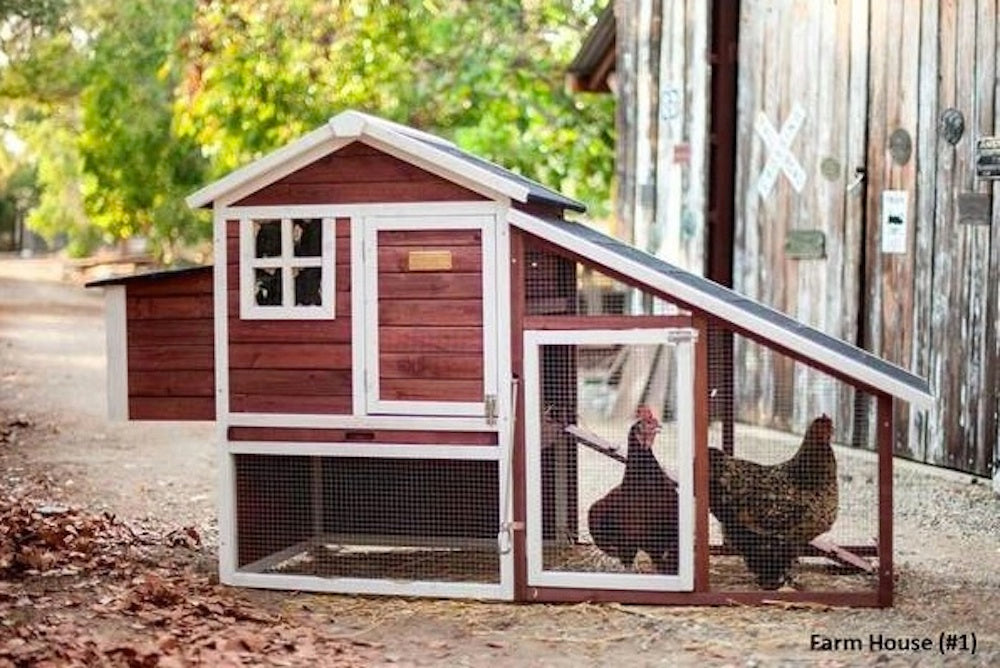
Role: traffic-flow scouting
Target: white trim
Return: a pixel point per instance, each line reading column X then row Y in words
column 361, row 210
column 722, row 309
column 226, row 500
column 285, row 264
column 271, row 164
column 369, row 586
column 408, row 144
column 443, row 164
column 358, row 318
column 373, row 224
column 682, row 339
column 506, row 397
column 366, row 449
column 312, row 421
column 116, row 341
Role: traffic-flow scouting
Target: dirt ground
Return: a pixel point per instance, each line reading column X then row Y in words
column 152, row 599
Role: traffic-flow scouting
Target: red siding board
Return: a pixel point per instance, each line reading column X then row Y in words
column 430, row 339
column 351, row 176
column 289, row 331
column 361, row 435
column 320, row 405
column 173, row 383
column 420, row 238
column 171, row 332
column 171, row 408
column 164, row 358
column 430, row 367
column 396, row 259
column 430, row 286
column 291, row 382
column 168, row 307
column 290, row 356
column 392, row 389
column 456, row 312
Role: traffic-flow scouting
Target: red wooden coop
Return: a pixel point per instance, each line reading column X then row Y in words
column 417, row 393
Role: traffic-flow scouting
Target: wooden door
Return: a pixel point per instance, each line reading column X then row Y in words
column 799, row 226
column 431, row 315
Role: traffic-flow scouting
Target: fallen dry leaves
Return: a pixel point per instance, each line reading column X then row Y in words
column 80, row 589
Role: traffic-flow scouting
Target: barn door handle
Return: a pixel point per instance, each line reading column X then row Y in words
column 859, row 177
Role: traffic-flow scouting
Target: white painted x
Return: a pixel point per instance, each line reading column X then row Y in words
column 781, row 158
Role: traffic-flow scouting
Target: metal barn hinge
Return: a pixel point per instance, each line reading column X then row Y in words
column 491, row 409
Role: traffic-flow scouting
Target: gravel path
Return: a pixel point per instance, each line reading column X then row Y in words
column 52, row 376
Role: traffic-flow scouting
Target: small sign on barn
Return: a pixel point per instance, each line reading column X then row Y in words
column 988, row 158
column 414, row 396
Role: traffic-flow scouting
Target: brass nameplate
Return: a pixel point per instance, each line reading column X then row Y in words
column 429, row 261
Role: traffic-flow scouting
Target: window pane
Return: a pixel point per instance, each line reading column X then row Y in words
column 307, row 234
column 307, row 286
column 267, row 287
column 267, row 238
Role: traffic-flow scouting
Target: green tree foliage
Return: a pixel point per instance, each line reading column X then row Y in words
column 127, row 106
column 487, row 74
column 137, row 170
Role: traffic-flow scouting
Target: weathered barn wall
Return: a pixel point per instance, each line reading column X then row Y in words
column 868, row 84
column 662, row 118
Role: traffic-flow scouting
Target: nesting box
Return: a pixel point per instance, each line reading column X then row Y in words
column 417, row 394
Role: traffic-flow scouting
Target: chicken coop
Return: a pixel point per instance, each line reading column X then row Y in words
column 412, row 396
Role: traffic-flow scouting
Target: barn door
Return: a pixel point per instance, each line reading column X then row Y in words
column 801, row 159
column 430, row 315
column 594, row 521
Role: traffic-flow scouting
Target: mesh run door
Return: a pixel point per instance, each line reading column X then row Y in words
column 609, row 459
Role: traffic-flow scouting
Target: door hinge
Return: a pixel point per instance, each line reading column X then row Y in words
column 491, row 409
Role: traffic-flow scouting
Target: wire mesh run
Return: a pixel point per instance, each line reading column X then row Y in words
column 793, row 479
column 609, row 458
column 378, row 518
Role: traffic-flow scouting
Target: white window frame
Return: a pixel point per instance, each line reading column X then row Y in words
column 285, row 263
column 683, row 341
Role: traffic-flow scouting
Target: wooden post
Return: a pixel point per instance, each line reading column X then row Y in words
column 701, row 546
column 884, row 417
column 517, row 369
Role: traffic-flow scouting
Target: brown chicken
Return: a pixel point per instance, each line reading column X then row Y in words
column 641, row 512
column 770, row 513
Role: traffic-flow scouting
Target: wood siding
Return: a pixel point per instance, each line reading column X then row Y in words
column 867, row 74
column 661, row 122
column 171, row 351
column 430, row 322
column 287, row 365
column 357, row 174
column 799, row 57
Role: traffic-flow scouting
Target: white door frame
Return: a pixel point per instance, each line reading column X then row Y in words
column 683, row 342
column 372, row 225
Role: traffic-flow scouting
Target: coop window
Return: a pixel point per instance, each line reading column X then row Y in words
column 287, row 268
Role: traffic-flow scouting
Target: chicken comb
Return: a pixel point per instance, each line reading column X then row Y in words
column 645, row 413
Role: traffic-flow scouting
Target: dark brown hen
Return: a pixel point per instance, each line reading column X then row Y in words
column 641, row 512
column 770, row 513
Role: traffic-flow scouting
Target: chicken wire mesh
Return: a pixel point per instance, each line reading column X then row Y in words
column 358, row 517
column 793, row 477
column 786, row 509
column 608, row 462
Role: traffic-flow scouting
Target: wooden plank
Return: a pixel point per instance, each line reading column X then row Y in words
column 406, row 389
column 168, row 307
column 291, row 382
column 291, row 404
column 171, row 332
column 435, row 237
column 290, row 356
column 563, row 322
column 854, row 599
column 290, row 331
column 395, row 259
column 359, row 193
column 171, row 408
column 361, row 169
column 435, row 312
column 884, row 415
column 449, row 366
column 198, row 283
column 702, row 579
column 430, row 286
column 430, row 339
column 842, row 555
column 171, row 383
column 165, row 357
column 361, row 435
